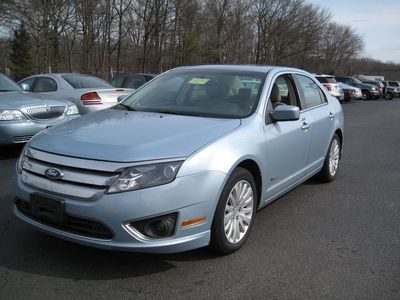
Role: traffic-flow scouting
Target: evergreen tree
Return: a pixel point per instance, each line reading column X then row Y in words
column 20, row 56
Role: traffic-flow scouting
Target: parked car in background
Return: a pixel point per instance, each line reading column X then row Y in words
column 131, row 81
column 329, row 82
column 182, row 163
column 89, row 93
column 350, row 92
column 24, row 114
column 378, row 84
column 392, row 89
column 368, row 91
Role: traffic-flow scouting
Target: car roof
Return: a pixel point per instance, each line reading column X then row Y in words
column 250, row 68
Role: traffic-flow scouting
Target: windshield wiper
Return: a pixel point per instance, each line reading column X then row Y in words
column 125, row 107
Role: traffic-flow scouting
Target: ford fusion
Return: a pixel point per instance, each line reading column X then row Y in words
column 182, row 163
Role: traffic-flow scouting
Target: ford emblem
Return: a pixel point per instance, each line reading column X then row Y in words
column 54, row 174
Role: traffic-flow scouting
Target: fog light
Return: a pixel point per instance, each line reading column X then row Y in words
column 158, row 227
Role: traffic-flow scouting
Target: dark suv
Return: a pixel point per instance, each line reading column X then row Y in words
column 369, row 91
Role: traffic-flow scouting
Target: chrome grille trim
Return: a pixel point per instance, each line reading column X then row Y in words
column 70, row 174
column 61, row 188
column 45, row 112
column 21, row 139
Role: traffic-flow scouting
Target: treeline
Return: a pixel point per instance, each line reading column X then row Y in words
column 105, row 37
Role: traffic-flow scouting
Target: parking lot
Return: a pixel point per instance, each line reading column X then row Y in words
column 337, row 240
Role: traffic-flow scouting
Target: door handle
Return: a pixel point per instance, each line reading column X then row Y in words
column 305, row 126
column 331, row 116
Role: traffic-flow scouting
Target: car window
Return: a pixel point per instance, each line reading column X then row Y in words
column 78, row 81
column 29, row 84
column 282, row 92
column 313, row 95
column 117, row 81
column 393, row 83
column 133, row 82
column 44, row 84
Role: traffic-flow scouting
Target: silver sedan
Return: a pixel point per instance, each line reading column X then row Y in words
column 89, row 93
column 24, row 114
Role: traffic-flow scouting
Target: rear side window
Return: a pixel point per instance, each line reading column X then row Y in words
column 344, row 80
column 44, row 84
column 312, row 94
column 78, row 81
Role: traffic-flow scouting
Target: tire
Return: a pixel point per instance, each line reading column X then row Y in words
column 388, row 96
column 332, row 159
column 234, row 216
column 366, row 95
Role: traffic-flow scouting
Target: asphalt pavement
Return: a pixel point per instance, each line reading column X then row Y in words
column 339, row 240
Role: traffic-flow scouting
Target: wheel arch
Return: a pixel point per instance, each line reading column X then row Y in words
column 254, row 169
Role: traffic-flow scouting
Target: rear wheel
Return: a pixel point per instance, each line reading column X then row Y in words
column 332, row 159
column 234, row 216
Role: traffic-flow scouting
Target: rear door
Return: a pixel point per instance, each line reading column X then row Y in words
column 318, row 116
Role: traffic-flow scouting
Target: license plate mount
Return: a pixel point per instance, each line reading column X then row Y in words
column 47, row 208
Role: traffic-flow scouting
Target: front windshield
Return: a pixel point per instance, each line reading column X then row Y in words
column 7, row 85
column 207, row 93
column 357, row 81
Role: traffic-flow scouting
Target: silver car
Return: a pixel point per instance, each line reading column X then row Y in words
column 89, row 93
column 182, row 163
column 23, row 114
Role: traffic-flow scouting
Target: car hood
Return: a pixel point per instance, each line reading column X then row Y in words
column 18, row 100
column 121, row 136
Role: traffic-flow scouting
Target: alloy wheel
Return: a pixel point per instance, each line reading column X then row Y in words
column 238, row 211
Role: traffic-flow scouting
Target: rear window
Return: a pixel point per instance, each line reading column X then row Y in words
column 326, row 79
column 78, row 81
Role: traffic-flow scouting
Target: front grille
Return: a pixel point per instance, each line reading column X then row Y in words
column 21, row 139
column 45, row 112
column 76, row 182
column 70, row 224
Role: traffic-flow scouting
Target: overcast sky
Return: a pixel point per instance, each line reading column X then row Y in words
column 377, row 21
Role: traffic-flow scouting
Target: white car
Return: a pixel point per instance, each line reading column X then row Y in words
column 87, row 92
column 330, row 83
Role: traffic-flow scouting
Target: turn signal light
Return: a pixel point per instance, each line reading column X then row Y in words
column 192, row 221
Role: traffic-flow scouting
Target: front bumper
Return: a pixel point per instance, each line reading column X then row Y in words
column 190, row 196
column 13, row 132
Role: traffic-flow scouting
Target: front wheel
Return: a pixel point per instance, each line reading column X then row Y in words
column 366, row 95
column 332, row 159
column 235, row 212
column 388, row 96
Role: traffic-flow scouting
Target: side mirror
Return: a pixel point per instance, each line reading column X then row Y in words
column 24, row 86
column 285, row 113
column 120, row 98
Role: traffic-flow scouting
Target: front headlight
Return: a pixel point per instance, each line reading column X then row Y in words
column 11, row 115
column 141, row 177
column 72, row 110
column 374, row 89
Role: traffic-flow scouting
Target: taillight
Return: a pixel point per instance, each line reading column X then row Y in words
column 328, row 86
column 91, row 98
